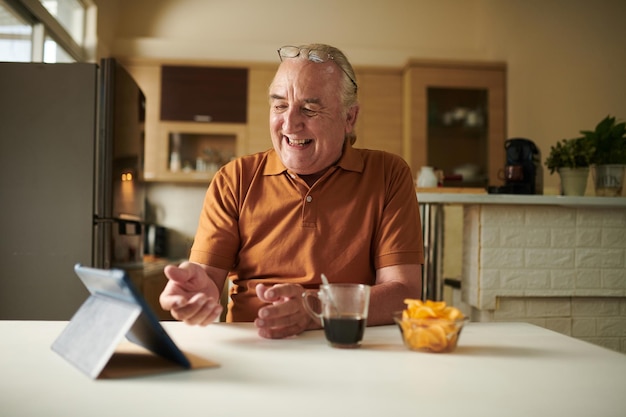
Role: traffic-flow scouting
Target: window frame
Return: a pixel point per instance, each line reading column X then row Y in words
column 45, row 25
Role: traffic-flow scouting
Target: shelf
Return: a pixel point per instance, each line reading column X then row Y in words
column 200, row 150
column 191, row 177
column 455, row 116
column 470, row 132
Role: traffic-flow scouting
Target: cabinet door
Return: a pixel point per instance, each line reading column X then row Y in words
column 260, row 78
column 379, row 124
column 456, row 117
column 204, row 94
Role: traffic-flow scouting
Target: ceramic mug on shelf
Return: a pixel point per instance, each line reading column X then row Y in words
column 427, row 177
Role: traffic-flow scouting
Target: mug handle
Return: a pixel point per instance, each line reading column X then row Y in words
column 307, row 295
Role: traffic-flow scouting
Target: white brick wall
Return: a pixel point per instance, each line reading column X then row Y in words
column 563, row 268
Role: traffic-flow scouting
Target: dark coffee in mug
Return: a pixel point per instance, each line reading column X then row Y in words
column 344, row 330
column 342, row 311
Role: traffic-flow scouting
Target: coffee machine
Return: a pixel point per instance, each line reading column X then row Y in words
column 523, row 173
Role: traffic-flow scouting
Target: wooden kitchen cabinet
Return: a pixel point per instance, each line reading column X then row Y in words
column 260, row 76
column 201, row 147
column 379, row 124
column 204, row 94
column 402, row 111
column 455, row 115
column 148, row 77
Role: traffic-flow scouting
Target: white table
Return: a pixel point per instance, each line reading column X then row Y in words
column 499, row 369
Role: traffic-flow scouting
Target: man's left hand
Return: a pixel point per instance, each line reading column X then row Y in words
column 285, row 316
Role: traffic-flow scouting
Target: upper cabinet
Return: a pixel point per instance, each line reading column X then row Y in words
column 204, row 94
column 445, row 114
column 196, row 119
column 455, row 119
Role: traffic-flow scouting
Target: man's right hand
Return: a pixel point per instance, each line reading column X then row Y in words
column 191, row 295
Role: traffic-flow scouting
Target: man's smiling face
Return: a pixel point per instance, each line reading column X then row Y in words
column 308, row 123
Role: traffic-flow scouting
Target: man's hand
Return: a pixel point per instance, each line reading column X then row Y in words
column 191, row 295
column 286, row 315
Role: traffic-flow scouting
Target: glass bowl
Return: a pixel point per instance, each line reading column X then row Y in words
column 430, row 334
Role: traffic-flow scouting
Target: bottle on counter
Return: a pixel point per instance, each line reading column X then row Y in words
column 174, row 162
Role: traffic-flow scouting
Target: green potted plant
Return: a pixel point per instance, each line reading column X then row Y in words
column 571, row 158
column 609, row 160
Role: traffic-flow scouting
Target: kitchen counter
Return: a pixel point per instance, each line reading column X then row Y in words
column 512, row 369
column 444, row 197
column 556, row 261
column 149, row 280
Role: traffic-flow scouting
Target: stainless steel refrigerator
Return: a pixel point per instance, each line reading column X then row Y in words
column 71, row 186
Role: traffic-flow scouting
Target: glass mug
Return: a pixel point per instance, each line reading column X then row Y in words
column 342, row 310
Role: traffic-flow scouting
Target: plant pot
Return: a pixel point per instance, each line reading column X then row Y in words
column 609, row 179
column 573, row 181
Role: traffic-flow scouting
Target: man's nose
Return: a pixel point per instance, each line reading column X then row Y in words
column 292, row 121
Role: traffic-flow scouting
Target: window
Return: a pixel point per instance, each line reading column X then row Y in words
column 70, row 14
column 53, row 52
column 43, row 30
column 15, row 36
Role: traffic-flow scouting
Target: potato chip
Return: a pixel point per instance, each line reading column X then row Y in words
column 430, row 325
column 418, row 309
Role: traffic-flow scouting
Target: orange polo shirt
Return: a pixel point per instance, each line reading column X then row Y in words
column 264, row 224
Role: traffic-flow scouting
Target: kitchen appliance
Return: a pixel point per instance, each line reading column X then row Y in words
column 155, row 240
column 71, row 166
column 522, row 173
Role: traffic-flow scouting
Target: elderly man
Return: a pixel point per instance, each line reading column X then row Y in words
column 273, row 222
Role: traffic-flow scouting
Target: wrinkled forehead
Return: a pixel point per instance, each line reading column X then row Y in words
column 306, row 77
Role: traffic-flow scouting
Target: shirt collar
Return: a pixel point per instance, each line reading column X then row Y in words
column 351, row 160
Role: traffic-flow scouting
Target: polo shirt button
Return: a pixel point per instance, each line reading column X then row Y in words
column 309, row 198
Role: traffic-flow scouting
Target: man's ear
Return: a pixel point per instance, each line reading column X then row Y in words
column 351, row 116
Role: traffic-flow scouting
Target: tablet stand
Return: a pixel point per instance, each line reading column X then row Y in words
column 93, row 333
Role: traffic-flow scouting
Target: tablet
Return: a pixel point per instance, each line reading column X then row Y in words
column 146, row 330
